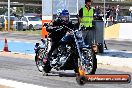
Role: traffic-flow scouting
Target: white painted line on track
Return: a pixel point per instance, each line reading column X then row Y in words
column 17, row 41
column 15, row 84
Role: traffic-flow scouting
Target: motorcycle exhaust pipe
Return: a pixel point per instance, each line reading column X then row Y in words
column 95, row 48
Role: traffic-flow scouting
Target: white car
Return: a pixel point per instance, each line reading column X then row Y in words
column 31, row 22
column 3, row 20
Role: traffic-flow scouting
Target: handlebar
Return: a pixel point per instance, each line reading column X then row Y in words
column 46, row 25
column 58, row 28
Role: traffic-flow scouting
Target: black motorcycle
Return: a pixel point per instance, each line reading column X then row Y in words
column 71, row 54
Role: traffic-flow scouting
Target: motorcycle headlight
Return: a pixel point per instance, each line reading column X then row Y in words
column 79, row 34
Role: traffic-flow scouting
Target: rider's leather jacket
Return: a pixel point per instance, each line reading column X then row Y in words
column 56, row 24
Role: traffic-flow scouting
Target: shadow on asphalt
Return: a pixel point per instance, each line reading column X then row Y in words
column 62, row 74
column 120, row 54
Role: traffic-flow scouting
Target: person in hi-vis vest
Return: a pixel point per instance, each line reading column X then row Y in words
column 86, row 17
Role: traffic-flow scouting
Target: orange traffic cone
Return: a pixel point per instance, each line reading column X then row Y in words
column 5, row 46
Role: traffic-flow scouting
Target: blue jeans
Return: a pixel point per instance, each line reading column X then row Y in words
column 118, row 18
column 131, row 15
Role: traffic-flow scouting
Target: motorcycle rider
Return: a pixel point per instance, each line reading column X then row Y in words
column 56, row 36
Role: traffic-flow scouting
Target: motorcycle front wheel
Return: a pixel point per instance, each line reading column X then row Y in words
column 89, row 62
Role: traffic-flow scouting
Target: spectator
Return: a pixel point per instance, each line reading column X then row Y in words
column 130, row 12
column 118, row 13
column 97, row 13
column 97, row 10
column 113, row 14
column 108, row 12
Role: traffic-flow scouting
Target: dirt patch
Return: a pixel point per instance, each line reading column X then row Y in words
column 17, row 55
column 1, row 86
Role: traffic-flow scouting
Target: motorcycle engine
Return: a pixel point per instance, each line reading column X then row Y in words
column 62, row 60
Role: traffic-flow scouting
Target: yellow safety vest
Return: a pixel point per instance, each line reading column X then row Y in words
column 87, row 18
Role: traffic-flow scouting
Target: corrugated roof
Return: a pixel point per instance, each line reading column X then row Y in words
column 23, row 1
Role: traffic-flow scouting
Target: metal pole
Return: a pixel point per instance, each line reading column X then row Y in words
column 8, row 15
column 77, row 6
column 23, row 9
column 104, row 27
column 104, row 14
column 52, row 10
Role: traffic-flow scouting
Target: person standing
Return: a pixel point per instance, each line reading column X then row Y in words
column 113, row 14
column 118, row 13
column 130, row 12
column 108, row 16
column 86, row 17
column 108, row 12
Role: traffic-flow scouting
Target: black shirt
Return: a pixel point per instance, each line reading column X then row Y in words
column 81, row 13
column 108, row 12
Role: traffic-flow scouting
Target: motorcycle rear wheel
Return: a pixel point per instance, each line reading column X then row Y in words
column 40, row 62
column 47, row 68
column 39, row 59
